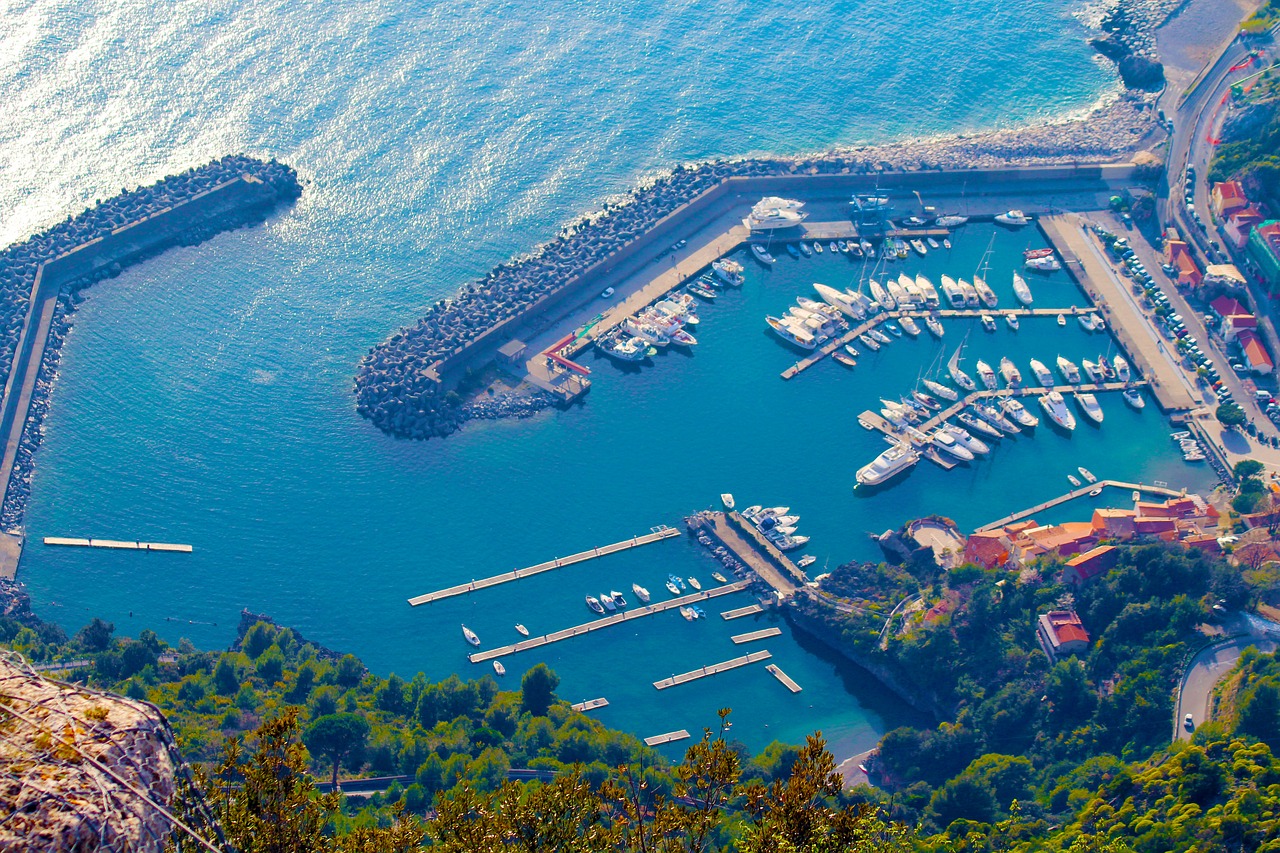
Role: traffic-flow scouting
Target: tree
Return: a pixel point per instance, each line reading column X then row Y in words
column 1230, row 415
column 537, row 690
column 95, row 636
column 1247, row 468
column 339, row 737
column 225, row 678
column 1260, row 713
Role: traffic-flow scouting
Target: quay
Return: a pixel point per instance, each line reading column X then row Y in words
column 608, row 621
column 712, row 669
column 783, row 677
column 669, row 737
column 751, row 549
column 658, row 535
column 117, row 544
column 739, row 639
column 1080, row 492
column 741, row 611
column 590, row 704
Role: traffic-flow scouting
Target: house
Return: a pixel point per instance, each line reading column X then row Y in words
column 1087, row 566
column 1232, row 317
column 1113, row 523
column 1185, row 271
column 1061, row 633
column 1184, row 507
column 1227, row 197
column 988, row 548
column 1254, row 352
column 1066, row 539
column 1263, row 249
column 1237, row 227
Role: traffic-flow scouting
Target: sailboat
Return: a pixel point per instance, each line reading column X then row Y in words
column 958, row 376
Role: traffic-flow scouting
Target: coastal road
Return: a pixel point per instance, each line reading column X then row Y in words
column 1206, row 668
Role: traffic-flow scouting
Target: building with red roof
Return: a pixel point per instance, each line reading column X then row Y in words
column 1254, row 352
column 1087, row 566
column 1061, row 633
column 1239, row 224
column 1228, row 197
column 1185, row 271
column 988, row 548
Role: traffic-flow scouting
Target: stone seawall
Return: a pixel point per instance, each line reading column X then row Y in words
column 39, row 275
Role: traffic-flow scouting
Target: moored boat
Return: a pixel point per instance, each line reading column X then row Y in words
column 1042, row 374
column 1088, row 404
column 1013, row 218
column 1069, row 371
column 1018, row 413
column 595, row 605
column 946, row 442
column 641, row 593
column 967, row 440
column 986, row 374
column 882, row 295
column 928, row 291
column 729, row 271
column 727, row 500
column 978, row 424
column 471, row 636
column 934, row 325
column 941, row 390
column 897, row 459
column 909, row 326
column 958, row 376
column 522, row 630
column 869, row 342
column 499, row 668
column 1134, row 398
column 1087, row 474
column 792, row 334
column 1056, row 408
column 1122, row 369
column 671, row 586
column 844, row 358
column 1022, row 290
column 695, row 583
column 985, row 293
column 607, row 600
column 719, row 578
column 988, row 322
column 1012, row 375
column 762, row 255
column 1011, row 320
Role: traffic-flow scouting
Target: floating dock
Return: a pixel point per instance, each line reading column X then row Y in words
column 608, row 621
column 657, row 535
column 741, row 611
column 117, row 544
column 590, row 704
column 783, row 677
column 669, row 737
column 712, row 669
column 1080, row 492
column 739, row 639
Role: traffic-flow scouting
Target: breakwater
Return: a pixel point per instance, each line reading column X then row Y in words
column 40, row 276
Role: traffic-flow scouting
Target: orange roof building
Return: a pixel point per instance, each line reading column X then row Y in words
column 1087, row 566
column 1061, row 633
column 988, row 548
column 1113, row 523
column 1228, row 197
column 1185, row 270
column 1255, row 353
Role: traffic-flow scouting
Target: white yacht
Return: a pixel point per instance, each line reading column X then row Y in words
column 641, row 593
column 1056, row 408
column 695, row 583
column 1021, row 290
column 1089, row 405
column 966, row 439
column 1069, row 371
column 946, row 442
column 897, row 295
column 522, row 630
column 839, row 301
column 1018, row 412
column 1091, row 370
column 1122, row 369
column 791, row 334
column 1013, row 218
column 1134, row 398
column 951, row 221
column 976, row 423
column 970, row 293
column 985, row 293
column 470, row 635
column 1043, row 376
column 869, row 342
column 908, row 285
column 607, row 600
column 880, row 336
column 727, row 500
column 1011, row 320
column 909, row 325
column 986, row 374
column 996, row 418
column 1086, row 322
column 928, row 291
column 766, row 216
column 895, row 460
column 941, row 390
column 729, row 271
column 1012, row 375
column 499, row 668
column 934, row 325
column 881, row 295
column 988, row 322
column 1047, row 263
column 646, row 332
column 953, row 292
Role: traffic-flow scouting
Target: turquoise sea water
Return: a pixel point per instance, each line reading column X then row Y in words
column 205, row 396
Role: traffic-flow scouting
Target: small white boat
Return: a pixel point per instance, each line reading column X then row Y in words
column 1087, row 474
column 695, row 583
column 1062, row 319
column 499, row 668
column 1021, row 290
column 909, row 326
column 934, row 325
column 1013, row 218
column 727, row 500
column 608, row 602
column 880, row 336
column 1122, row 369
column 762, row 254
column 1134, row 398
column 522, row 630
column 986, row 374
column 594, row 604
column 1043, row 376
column 806, row 560
column 470, row 635
column 1018, row 412
column 1011, row 319
column 719, row 578
column 1089, row 405
column 671, row 585
column 641, row 593
column 869, row 342
column 617, row 598
column 688, row 614
column 988, row 322
column 1073, row 480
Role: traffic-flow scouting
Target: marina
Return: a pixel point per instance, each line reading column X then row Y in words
column 777, row 673
column 117, row 545
column 764, row 633
column 1080, row 492
column 590, row 704
column 738, row 613
column 712, row 669
column 658, row 535
column 608, row 621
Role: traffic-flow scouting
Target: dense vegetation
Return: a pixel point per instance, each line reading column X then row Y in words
column 1252, row 153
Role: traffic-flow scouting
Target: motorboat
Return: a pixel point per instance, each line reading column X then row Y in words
column 934, row 325
column 1013, row 218
column 901, row 457
column 688, row 614
column 762, row 254
column 1021, row 290
column 897, row 296
column 845, row 359
column 926, row 401
column 522, row 630
column 701, row 291
column 793, row 251
column 950, row 221
column 680, row 337
column 806, row 560
column 752, row 511
column 1042, row 374
column 933, row 243
column 869, row 342
column 607, row 600
column 928, row 291
column 1087, row 474
column 499, row 668
column 695, row 583
column 805, row 250
column 970, row 293
column 985, row 293
column 767, row 217
column 946, row 442
column 641, row 593
column 852, row 351
column 882, row 295
column 817, row 247
column 1122, row 369
column 1056, row 408
column 470, row 636
column 595, row 605
column 791, row 543
column 988, row 322
column 1032, row 254
column 908, row 285
column 1105, row 373
column 1062, row 319
column 1087, row 322
column 986, row 374
column 941, row 390
column 894, row 329
column 729, row 271
column 1012, row 375
column 832, row 247
column 1098, row 323
column 1018, row 413
column 1073, row 480
column 996, row 418
column 1011, row 320
column 719, row 578
column 910, row 326
column 839, row 301
column 1134, row 398
column 625, row 349
column 1088, row 404
column 953, row 292
column 1069, row 371
column 978, row 424
column 880, row 336
column 671, row 586
column 645, row 331
column 791, row 334
column 958, row 376
column 1091, row 370
column 727, row 500
column 966, row 439
column 1046, row 264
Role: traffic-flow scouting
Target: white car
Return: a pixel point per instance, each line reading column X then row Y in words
column 608, row 291
column 1189, row 723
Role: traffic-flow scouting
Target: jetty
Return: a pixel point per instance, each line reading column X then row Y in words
column 608, row 621
column 1081, row 492
column 712, row 669
column 590, row 704
column 658, row 534
column 751, row 549
column 116, row 544
column 659, row 740
column 777, row 673
column 741, row 611
column 739, row 639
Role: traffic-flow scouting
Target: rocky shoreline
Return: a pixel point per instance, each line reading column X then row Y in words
column 394, row 386
column 276, row 184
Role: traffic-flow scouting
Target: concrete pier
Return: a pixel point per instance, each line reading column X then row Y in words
column 669, row 737
column 712, row 669
column 739, row 639
column 608, row 621
column 484, row 583
column 783, row 677
column 118, row 545
column 1081, row 492
column 751, row 549
column 590, row 704
column 741, row 611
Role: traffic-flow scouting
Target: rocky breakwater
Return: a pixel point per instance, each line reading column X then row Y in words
column 178, row 210
column 1130, row 41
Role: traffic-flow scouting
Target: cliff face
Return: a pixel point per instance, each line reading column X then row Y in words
column 80, row 770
